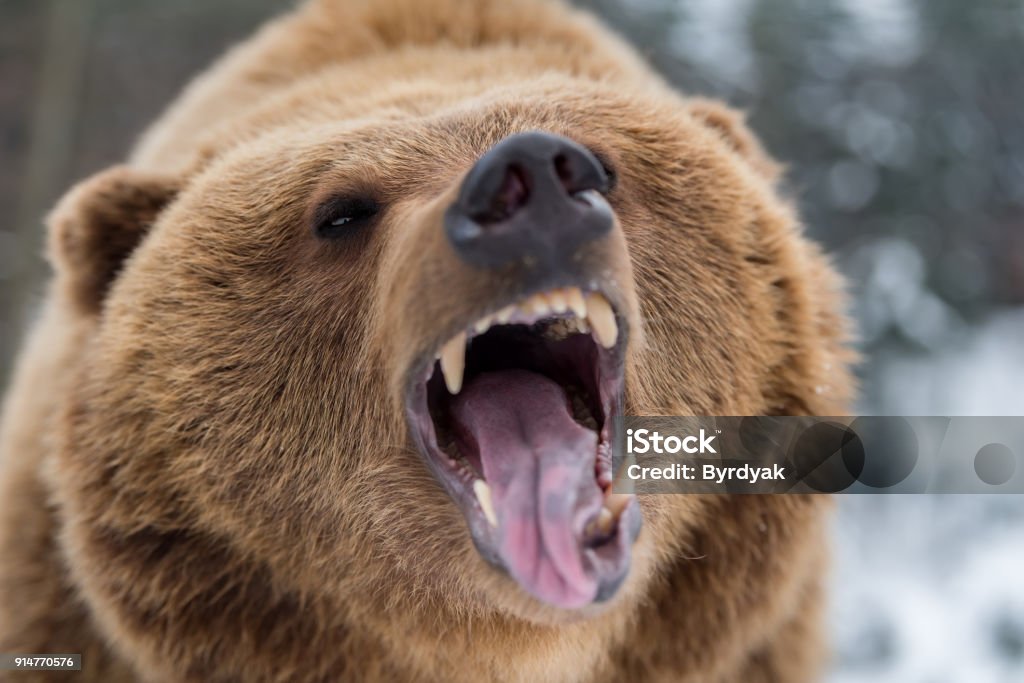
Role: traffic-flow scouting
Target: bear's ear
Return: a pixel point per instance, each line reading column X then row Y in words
column 98, row 224
column 730, row 125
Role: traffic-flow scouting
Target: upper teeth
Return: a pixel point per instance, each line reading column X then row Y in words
column 602, row 320
column 586, row 311
column 453, row 362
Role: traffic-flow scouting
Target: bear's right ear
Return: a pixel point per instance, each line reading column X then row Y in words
column 98, row 224
column 730, row 125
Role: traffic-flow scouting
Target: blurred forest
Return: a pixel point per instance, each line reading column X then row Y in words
column 902, row 124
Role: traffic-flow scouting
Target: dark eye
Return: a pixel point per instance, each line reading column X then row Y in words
column 342, row 216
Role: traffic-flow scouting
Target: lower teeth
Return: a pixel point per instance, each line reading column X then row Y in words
column 580, row 410
column 562, row 328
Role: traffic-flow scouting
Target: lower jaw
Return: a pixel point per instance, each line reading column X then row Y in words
column 508, row 597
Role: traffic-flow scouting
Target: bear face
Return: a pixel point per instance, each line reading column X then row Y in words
column 306, row 369
column 244, row 393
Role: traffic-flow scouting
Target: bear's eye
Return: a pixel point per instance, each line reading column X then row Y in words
column 342, row 216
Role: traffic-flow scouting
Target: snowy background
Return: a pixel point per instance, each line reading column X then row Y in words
column 902, row 122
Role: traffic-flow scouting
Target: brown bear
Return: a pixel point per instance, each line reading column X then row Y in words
column 323, row 386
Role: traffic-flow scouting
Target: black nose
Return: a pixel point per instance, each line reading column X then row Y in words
column 534, row 197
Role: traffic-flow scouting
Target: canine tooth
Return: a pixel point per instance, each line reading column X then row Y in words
column 558, row 301
column 574, row 298
column 483, row 496
column 453, row 362
column 617, row 502
column 603, row 524
column 602, row 320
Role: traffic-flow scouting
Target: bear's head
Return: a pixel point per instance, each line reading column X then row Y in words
column 369, row 348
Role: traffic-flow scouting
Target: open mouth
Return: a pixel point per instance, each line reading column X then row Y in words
column 514, row 415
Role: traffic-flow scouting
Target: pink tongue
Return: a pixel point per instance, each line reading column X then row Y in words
column 539, row 464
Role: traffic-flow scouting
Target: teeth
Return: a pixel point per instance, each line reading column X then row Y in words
column 483, row 496
column 539, row 305
column 602, row 320
column 482, row 324
column 505, row 314
column 617, row 502
column 574, row 298
column 558, row 301
column 609, row 515
column 453, row 362
column 590, row 313
column 560, row 329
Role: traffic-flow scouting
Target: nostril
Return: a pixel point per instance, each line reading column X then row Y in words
column 515, row 191
column 512, row 195
column 534, row 198
column 564, row 171
column 578, row 171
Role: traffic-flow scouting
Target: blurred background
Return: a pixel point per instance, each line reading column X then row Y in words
column 902, row 122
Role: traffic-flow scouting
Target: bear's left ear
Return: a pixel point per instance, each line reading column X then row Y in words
column 730, row 125
column 98, row 224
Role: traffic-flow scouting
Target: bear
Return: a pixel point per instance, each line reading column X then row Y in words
column 323, row 383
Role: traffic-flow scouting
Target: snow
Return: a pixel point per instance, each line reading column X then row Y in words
column 929, row 588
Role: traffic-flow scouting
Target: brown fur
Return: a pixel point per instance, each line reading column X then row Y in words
column 206, row 473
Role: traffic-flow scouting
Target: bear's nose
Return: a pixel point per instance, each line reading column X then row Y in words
column 534, row 197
